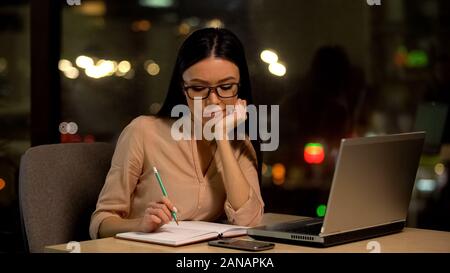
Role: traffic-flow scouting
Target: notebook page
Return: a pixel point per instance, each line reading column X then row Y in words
column 185, row 232
column 169, row 235
column 208, row 226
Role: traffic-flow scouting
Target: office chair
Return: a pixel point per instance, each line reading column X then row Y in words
column 58, row 189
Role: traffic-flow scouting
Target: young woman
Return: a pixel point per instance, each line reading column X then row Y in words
column 205, row 180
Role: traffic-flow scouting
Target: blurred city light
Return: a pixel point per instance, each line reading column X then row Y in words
column 314, row 153
column 107, row 67
column 97, row 70
column 124, row 67
column 417, row 58
column 84, row 61
column 63, row 127
column 120, row 74
column 155, row 107
column 156, row 3
column 72, row 128
column 215, row 23
column 93, row 72
column 68, row 128
column 184, row 29
column 71, row 73
column 152, row 69
column 321, row 209
column 93, row 8
column 64, row 65
column 268, row 56
column 278, row 173
column 371, row 134
column 2, row 184
column 89, row 139
column 411, row 59
column 277, row 69
column 426, row 185
column 141, row 25
column 439, row 169
column 401, row 56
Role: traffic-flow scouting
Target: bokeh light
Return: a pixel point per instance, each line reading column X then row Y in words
column 439, row 169
column 64, row 65
column 155, row 107
column 277, row 69
column 84, row 61
column 2, row 184
column 72, row 73
column 184, row 29
column 314, row 153
column 152, row 69
column 321, row 210
column 426, row 185
column 268, row 56
column 124, row 67
column 215, row 23
column 278, row 173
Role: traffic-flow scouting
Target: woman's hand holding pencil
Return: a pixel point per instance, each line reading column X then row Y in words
column 156, row 215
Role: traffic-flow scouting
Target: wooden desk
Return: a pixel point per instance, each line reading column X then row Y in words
column 409, row 240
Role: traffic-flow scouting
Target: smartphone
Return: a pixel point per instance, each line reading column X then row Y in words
column 249, row 245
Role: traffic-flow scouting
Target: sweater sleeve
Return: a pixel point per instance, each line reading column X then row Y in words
column 121, row 180
column 251, row 212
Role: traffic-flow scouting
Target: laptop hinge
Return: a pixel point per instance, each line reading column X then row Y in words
column 356, row 229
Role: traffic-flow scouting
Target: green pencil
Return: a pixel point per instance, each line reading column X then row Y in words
column 163, row 189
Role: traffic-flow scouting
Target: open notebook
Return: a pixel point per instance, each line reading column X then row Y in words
column 186, row 233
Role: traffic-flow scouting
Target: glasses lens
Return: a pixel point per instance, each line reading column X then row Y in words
column 227, row 90
column 197, row 91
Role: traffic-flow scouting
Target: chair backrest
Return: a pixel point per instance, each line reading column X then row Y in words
column 58, row 189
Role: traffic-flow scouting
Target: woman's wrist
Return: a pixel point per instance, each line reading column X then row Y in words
column 223, row 145
column 113, row 225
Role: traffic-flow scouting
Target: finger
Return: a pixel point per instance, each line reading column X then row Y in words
column 164, row 215
column 155, row 219
column 164, row 208
column 160, row 213
column 162, row 204
column 168, row 203
column 152, row 210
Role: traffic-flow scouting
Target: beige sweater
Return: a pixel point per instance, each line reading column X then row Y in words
column 131, row 184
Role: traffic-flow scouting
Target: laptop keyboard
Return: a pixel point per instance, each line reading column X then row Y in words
column 313, row 229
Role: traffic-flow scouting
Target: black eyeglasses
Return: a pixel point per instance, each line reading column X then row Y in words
column 225, row 91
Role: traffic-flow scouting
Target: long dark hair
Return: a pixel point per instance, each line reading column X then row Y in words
column 201, row 44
